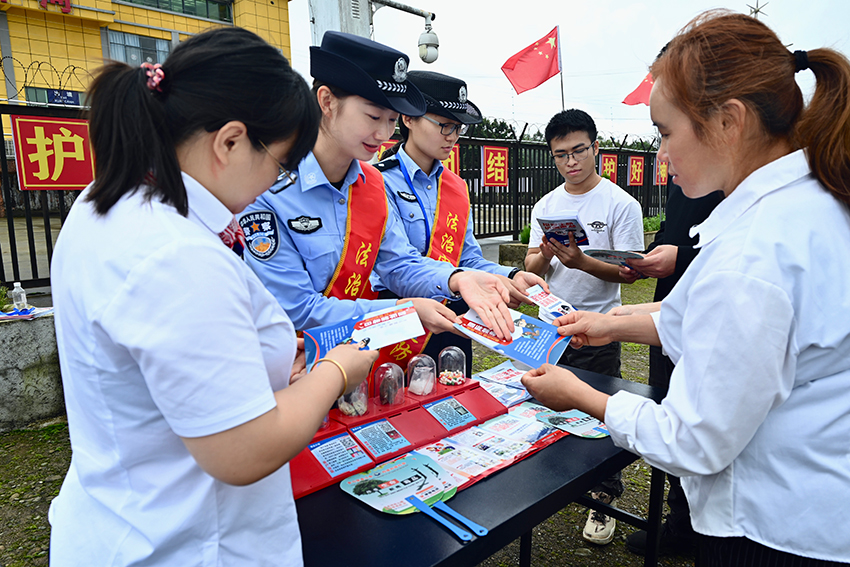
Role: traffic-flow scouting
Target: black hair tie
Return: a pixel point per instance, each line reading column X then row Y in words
column 801, row 61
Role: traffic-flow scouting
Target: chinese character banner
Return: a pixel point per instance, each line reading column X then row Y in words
column 494, row 166
column 52, row 153
column 636, row 170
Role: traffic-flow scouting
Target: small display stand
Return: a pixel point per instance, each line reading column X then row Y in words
column 332, row 455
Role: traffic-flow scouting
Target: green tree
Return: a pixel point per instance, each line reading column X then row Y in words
column 494, row 129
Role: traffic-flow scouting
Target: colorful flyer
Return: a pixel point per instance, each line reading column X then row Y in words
column 380, row 437
column 507, row 373
column 529, row 410
column 490, row 443
column 506, row 395
column 533, row 342
column 515, row 427
column 454, row 457
column 548, row 302
column 559, row 228
column 339, row 454
column 450, row 413
column 386, row 486
column 575, row 423
column 371, row 331
column 616, row 257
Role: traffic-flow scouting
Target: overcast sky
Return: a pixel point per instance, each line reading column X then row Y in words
column 606, row 47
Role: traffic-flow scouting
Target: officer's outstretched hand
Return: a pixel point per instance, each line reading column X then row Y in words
column 488, row 296
column 434, row 316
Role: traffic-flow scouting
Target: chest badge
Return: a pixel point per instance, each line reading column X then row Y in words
column 305, row 224
column 410, row 197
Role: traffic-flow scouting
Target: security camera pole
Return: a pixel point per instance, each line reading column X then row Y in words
column 355, row 16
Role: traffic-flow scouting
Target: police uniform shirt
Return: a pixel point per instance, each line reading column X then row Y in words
column 406, row 203
column 295, row 240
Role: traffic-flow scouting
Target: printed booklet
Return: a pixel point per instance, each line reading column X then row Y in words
column 616, row 257
column 558, row 228
column 503, row 382
column 371, row 331
column 533, row 342
column 548, row 302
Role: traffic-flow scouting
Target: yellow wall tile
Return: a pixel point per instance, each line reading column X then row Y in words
column 74, row 38
column 76, row 52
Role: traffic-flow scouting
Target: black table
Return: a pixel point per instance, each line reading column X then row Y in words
column 337, row 529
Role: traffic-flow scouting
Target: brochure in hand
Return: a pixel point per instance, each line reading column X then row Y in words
column 503, row 382
column 616, row 257
column 558, row 228
column 533, row 342
column 371, row 331
column 576, row 423
column 548, row 302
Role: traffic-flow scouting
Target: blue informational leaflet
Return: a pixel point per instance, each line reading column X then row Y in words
column 533, row 342
column 371, row 331
column 450, row 413
column 560, row 227
column 380, row 437
column 339, row 454
column 575, row 423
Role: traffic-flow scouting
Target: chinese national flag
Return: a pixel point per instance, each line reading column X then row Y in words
column 535, row 64
column 641, row 94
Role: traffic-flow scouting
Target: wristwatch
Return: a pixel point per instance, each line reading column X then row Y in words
column 514, row 272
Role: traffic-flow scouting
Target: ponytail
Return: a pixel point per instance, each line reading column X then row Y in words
column 136, row 127
column 824, row 128
column 130, row 141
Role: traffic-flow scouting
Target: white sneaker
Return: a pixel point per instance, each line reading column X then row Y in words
column 600, row 527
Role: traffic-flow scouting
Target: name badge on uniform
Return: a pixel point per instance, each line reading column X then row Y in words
column 305, row 225
column 406, row 196
column 261, row 233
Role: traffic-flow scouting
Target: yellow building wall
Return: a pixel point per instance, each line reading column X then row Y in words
column 51, row 49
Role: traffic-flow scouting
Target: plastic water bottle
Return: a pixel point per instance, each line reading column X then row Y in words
column 19, row 297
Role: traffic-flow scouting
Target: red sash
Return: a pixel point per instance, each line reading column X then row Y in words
column 447, row 239
column 367, row 202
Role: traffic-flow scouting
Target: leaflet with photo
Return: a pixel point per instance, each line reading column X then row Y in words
column 616, row 257
column 490, row 443
column 506, row 395
column 533, row 342
column 529, row 410
column 339, row 454
column 450, row 413
column 575, row 422
column 549, row 302
column 380, row 437
column 517, row 427
column 454, row 457
column 371, row 331
column 558, row 228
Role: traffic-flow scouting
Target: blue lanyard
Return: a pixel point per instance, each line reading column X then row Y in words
column 418, row 200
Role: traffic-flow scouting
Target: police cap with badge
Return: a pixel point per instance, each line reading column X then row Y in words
column 446, row 96
column 366, row 68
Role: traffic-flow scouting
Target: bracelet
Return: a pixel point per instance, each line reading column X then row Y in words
column 341, row 369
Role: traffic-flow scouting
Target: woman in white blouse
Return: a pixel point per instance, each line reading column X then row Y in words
column 757, row 418
column 176, row 361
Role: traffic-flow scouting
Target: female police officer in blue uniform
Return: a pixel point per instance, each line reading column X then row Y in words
column 419, row 187
column 316, row 243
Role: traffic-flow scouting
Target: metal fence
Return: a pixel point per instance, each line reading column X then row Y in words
column 33, row 218
column 504, row 211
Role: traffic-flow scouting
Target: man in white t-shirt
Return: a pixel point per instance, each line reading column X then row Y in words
column 613, row 221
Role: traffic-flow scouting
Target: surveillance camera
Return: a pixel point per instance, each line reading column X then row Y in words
column 428, row 46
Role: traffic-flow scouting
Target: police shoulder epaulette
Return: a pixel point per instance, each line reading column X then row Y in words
column 382, row 166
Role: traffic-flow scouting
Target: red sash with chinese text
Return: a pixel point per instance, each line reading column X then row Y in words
column 367, row 202
column 447, row 239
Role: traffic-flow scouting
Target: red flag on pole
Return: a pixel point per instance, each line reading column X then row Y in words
column 535, row 64
column 641, row 94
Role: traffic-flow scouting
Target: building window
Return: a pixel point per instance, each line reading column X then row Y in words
column 135, row 49
column 213, row 10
